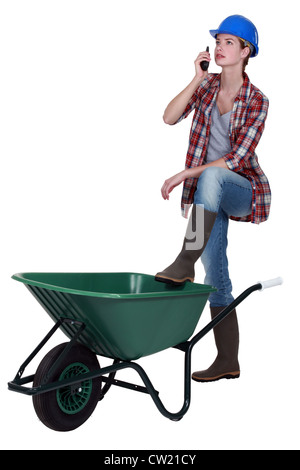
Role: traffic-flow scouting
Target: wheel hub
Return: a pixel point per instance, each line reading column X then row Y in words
column 72, row 399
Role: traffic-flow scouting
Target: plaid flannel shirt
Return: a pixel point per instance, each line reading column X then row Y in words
column 246, row 126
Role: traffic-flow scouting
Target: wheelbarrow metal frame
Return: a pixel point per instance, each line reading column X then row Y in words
column 18, row 384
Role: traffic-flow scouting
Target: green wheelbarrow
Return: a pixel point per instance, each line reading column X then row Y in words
column 122, row 316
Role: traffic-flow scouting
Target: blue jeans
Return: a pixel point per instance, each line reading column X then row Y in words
column 229, row 194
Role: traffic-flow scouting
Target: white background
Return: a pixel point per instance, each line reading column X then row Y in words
column 84, row 152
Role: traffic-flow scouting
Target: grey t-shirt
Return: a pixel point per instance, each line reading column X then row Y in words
column 219, row 143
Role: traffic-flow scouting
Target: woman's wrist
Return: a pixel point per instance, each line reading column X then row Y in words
column 196, row 82
column 193, row 172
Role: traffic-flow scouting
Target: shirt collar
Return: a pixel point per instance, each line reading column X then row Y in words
column 245, row 90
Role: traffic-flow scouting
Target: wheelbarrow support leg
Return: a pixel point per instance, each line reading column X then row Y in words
column 19, row 381
column 36, row 350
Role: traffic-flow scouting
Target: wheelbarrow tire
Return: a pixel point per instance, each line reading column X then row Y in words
column 67, row 408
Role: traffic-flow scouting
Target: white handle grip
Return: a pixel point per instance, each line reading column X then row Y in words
column 271, row 283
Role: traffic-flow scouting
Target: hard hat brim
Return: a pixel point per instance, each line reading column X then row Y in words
column 215, row 32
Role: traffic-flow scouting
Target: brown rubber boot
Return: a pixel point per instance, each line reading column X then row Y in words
column 199, row 228
column 226, row 365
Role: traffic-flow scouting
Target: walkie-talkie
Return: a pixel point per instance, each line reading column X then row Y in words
column 204, row 65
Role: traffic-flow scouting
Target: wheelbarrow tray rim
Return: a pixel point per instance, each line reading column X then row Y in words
column 55, row 281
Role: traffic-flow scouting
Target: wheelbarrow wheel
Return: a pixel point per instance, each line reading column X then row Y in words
column 69, row 407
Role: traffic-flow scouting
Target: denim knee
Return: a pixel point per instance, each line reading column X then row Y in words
column 209, row 188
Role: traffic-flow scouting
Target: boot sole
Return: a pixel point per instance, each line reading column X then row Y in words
column 173, row 282
column 231, row 375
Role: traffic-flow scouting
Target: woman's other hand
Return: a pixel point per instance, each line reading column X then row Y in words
column 171, row 183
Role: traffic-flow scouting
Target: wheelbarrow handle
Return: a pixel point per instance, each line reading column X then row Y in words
column 271, row 283
column 260, row 286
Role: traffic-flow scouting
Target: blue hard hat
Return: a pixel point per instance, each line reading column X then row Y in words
column 238, row 25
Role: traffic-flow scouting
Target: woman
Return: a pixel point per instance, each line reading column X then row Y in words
column 222, row 177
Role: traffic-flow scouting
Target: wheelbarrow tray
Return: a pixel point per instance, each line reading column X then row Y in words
column 126, row 315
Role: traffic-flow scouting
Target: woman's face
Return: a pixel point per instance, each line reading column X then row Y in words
column 228, row 50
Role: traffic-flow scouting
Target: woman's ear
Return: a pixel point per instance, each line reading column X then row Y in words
column 245, row 52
